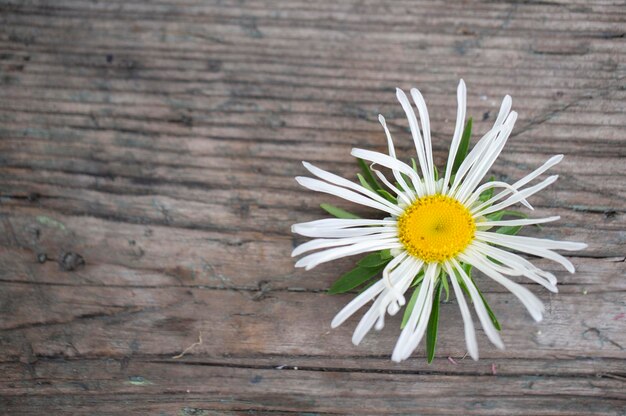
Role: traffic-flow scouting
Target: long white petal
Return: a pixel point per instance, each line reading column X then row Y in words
column 416, row 326
column 369, row 294
column 312, row 260
column 480, row 169
column 321, row 186
column 320, row 243
column 526, row 179
column 461, row 94
column 515, row 223
column 531, row 241
column 529, row 300
column 347, row 232
column 338, row 180
column 404, row 272
column 513, row 199
column 518, row 263
column 493, row 184
column 337, row 223
column 392, row 153
column 475, row 156
column 468, row 323
column 428, row 147
column 404, row 196
column 393, row 164
column 479, row 306
column 528, row 248
column 417, row 138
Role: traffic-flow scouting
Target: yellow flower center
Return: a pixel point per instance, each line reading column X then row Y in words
column 436, row 228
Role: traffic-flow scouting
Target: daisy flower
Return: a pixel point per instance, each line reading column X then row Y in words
column 434, row 230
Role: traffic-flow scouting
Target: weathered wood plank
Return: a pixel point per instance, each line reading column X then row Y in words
column 147, row 156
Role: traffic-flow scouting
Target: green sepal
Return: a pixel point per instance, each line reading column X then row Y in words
column 461, row 152
column 433, row 323
column 338, row 212
column 354, row 278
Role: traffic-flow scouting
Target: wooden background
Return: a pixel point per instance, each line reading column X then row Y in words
column 147, row 157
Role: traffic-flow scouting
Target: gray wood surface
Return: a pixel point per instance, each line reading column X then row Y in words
column 147, row 156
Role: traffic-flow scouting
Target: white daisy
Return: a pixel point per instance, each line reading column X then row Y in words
column 435, row 227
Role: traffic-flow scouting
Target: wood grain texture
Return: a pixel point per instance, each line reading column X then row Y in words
column 147, row 156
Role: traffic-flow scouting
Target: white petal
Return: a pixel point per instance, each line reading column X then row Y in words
column 425, row 121
column 345, row 232
column 393, row 164
column 528, row 248
column 493, row 184
column 530, row 301
column 405, row 271
column 417, row 138
column 461, row 94
column 513, row 199
column 337, row 223
column 321, row 186
column 475, row 156
column 515, row 223
column 480, row 169
column 406, row 197
column 338, row 180
column 520, row 264
column 320, row 243
column 312, row 260
column 468, row 323
column 366, row 296
column 547, row 165
column 479, row 306
column 533, row 242
column 392, row 153
column 416, row 325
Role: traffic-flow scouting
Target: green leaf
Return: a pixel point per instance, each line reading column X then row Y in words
column 354, row 278
column 373, row 260
column 409, row 307
column 461, row 152
column 368, row 175
column 433, row 323
column 338, row 212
